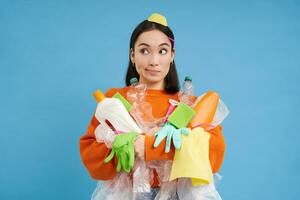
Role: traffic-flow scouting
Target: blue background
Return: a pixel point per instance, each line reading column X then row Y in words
column 54, row 54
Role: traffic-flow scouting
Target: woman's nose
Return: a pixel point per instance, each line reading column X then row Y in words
column 154, row 60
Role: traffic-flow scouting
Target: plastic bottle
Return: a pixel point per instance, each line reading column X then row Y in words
column 141, row 110
column 136, row 92
column 187, row 91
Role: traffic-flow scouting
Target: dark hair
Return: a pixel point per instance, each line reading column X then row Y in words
column 171, row 82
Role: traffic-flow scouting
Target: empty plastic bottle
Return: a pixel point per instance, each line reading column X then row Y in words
column 136, row 92
column 141, row 110
column 187, row 91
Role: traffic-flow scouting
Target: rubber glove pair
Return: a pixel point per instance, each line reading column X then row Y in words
column 171, row 133
column 123, row 148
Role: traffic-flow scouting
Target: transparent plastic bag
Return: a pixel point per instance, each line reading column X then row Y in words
column 119, row 187
column 185, row 190
column 182, row 188
column 141, row 178
column 104, row 134
column 162, row 168
column 221, row 113
column 167, row 191
column 167, row 188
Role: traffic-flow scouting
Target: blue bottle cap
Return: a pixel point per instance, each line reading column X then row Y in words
column 133, row 80
column 188, row 78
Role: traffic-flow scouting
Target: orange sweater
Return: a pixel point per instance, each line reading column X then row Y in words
column 93, row 153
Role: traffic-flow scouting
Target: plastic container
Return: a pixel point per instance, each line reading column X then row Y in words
column 136, row 92
column 187, row 91
column 113, row 114
column 141, row 110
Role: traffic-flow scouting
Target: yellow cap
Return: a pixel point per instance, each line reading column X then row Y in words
column 158, row 18
column 99, row 96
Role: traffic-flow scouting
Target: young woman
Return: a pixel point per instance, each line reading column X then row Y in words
column 151, row 60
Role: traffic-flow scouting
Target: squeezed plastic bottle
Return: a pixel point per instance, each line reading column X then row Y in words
column 136, row 92
column 187, row 91
column 141, row 110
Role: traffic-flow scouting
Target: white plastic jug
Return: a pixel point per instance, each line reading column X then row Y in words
column 113, row 110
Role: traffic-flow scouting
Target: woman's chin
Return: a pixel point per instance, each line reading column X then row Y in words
column 154, row 79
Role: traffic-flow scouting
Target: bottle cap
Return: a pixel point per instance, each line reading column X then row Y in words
column 99, row 96
column 188, row 78
column 133, row 80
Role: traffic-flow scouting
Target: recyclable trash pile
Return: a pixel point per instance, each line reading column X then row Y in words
column 185, row 126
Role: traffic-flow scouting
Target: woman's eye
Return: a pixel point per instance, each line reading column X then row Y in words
column 163, row 51
column 144, row 51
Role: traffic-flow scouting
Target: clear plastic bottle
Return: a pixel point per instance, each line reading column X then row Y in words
column 187, row 91
column 136, row 92
column 141, row 111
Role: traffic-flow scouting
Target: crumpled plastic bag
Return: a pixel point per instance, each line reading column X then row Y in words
column 185, row 190
column 141, row 178
column 121, row 186
column 167, row 191
column 221, row 113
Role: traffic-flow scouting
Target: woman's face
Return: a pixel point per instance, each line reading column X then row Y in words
column 152, row 56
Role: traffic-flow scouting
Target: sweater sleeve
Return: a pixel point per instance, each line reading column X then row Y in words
column 157, row 153
column 94, row 153
column 216, row 149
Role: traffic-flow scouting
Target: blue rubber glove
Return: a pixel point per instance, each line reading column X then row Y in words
column 171, row 133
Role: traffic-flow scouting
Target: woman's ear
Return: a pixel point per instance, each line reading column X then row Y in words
column 172, row 55
column 132, row 55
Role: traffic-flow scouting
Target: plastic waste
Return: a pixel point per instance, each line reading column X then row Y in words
column 113, row 117
column 185, row 190
column 104, row 134
column 141, row 110
column 141, row 179
column 136, row 92
column 111, row 112
column 142, row 113
column 187, row 91
column 114, row 189
column 205, row 110
column 124, row 186
column 167, row 191
column 221, row 113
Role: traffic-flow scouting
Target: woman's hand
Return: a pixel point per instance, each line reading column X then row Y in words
column 139, row 147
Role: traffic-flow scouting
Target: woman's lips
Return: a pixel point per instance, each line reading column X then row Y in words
column 152, row 71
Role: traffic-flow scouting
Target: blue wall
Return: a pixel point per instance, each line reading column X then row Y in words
column 54, row 54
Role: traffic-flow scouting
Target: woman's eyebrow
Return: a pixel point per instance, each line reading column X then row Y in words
column 162, row 44
column 144, row 44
